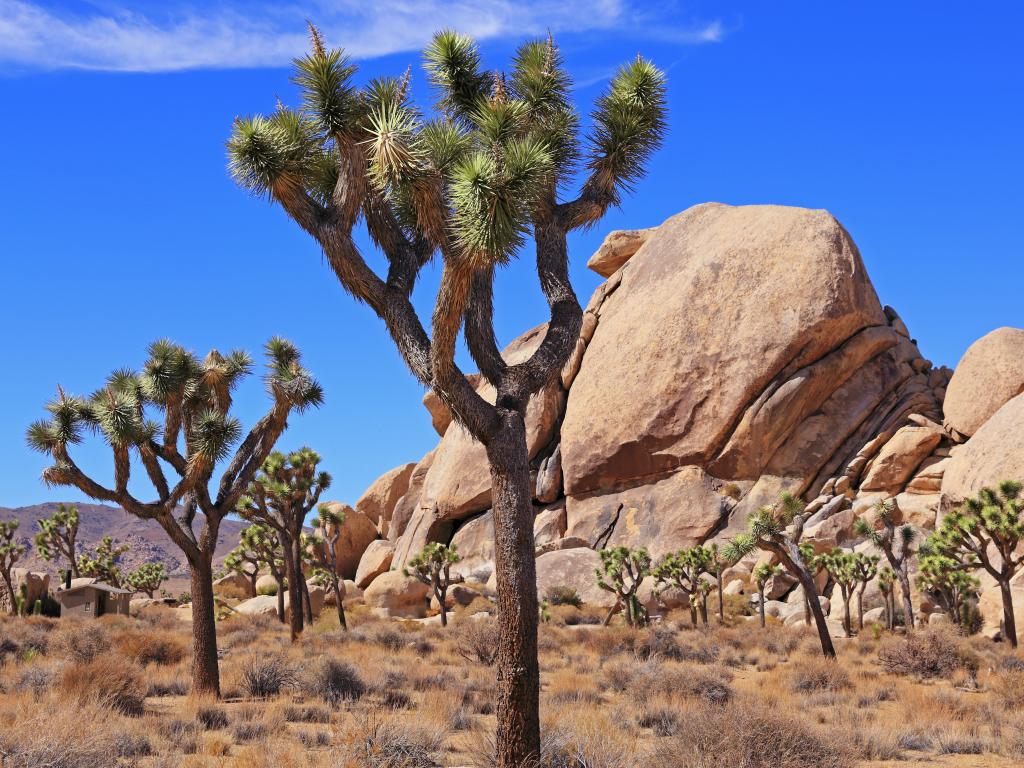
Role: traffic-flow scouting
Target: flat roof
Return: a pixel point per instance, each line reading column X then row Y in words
column 100, row 587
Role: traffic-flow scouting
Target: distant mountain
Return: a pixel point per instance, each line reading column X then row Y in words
column 148, row 541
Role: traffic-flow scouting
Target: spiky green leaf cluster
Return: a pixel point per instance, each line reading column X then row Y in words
column 432, row 564
column 102, row 563
column 146, row 578
column 57, row 533
column 623, row 569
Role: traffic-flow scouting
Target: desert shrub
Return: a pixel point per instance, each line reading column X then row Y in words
column 168, row 682
column 182, row 734
column 35, row 679
column 81, row 641
column 818, row 674
column 333, row 682
column 563, row 595
column 476, row 640
column 664, row 721
column 128, row 744
column 389, row 638
column 929, row 653
column 63, row 739
column 212, row 718
column 748, row 735
column 264, row 677
column 575, row 617
column 393, row 743
column 1008, row 687
column 396, row 699
column 307, row 714
column 267, row 589
column 149, row 647
column 250, row 731
column 110, row 682
column 439, row 680
column 314, row 739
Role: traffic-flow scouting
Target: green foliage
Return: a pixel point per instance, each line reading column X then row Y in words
column 432, row 565
column 622, row 572
column 562, row 595
column 264, row 548
column 480, row 164
column 763, row 572
column 102, row 563
column 147, row 578
column 57, row 534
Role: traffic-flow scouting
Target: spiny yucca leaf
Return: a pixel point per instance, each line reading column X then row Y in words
column 266, row 151
column 444, row 143
column 629, row 123
column 213, row 434
column 452, row 62
column 325, row 79
column 391, row 147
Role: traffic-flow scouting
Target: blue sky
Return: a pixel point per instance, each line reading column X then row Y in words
column 119, row 224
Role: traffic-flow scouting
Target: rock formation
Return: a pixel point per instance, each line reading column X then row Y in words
column 731, row 353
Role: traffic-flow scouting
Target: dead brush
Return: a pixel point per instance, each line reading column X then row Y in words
column 150, row 647
column 333, row 682
column 107, row 681
column 60, row 738
column 476, row 640
column 81, row 641
column 928, row 653
column 815, row 674
column 265, row 677
column 376, row 742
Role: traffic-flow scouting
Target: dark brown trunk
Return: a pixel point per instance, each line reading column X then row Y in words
column 341, row 605
column 704, row 611
column 205, row 670
column 824, row 636
column 760, row 604
column 307, row 602
column 847, row 620
column 721, row 599
column 280, row 600
column 9, row 587
column 518, row 699
column 252, row 584
column 442, row 596
column 292, row 560
column 908, row 603
column 807, row 610
column 860, row 608
column 1009, row 622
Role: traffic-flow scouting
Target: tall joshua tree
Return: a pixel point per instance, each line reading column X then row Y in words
column 895, row 543
column 840, row 565
column 762, row 573
column 622, row 572
column 469, row 182
column 57, row 536
column 886, row 582
column 719, row 560
column 284, row 491
column 778, row 529
column 432, row 565
column 10, row 552
column 984, row 533
column 683, row 570
column 947, row 579
column 192, row 399
column 102, row 562
column 865, row 568
column 325, row 554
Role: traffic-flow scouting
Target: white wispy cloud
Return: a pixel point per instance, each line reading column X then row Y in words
column 260, row 33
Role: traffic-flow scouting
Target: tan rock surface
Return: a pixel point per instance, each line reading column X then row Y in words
column 900, row 457
column 375, row 561
column 379, row 500
column 994, row 453
column 720, row 302
column 618, row 248
column 396, row 595
column 357, row 531
column 574, row 568
column 989, row 375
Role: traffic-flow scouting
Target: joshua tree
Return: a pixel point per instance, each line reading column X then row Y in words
column 762, row 573
column 10, row 552
column 990, row 524
column 284, row 491
column 432, row 566
column 56, row 537
column 683, row 570
column 469, row 182
column 886, row 584
column 700, row 598
column 191, row 398
column 102, row 563
column 840, row 565
column 895, row 543
column 245, row 563
column 865, row 568
column 147, row 578
column 326, row 556
column 265, row 545
column 778, row 530
column 946, row 579
column 622, row 572
column 719, row 560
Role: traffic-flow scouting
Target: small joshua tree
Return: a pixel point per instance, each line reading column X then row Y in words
column 946, row 579
column 719, row 560
column 469, row 181
column 284, row 491
column 190, row 400
column 990, row 524
column 865, row 568
column 147, row 578
column 263, row 542
column 102, row 562
column 683, row 570
column 432, row 565
column 840, row 566
column 778, row 529
column 622, row 572
column 886, row 585
column 326, row 556
column 762, row 573
column 245, row 563
column 57, row 535
column 700, row 598
column 10, row 552
column 895, row 544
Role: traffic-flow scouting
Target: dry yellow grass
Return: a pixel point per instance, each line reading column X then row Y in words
column 391, row 694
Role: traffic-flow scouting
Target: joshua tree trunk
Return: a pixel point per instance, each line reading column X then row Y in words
column 442, row 597
column 847, row 619
column 790, row 556
column 280, row 598
column 860, row 607
column 704, row 611
column 292, row 562
column 760, row 605
column 9, row 587
column 1009, row 622
column 518, row 735
column 341, row 605
column 908, row 603
column 252, row 583
column 307, row 602
column 721, row 598
column 205, row 671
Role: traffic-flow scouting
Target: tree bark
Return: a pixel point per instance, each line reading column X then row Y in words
column 860, row 607
column 292, row 559
column 1009, row 622
column 280, row 599
column 518, row 727
column 790, row 556
column 721, row 599
column 442, row 596
column 9, row 586
column 760, row 605
column 341, row 606
column 205, row 670
column 908, row 603
column 847, row 619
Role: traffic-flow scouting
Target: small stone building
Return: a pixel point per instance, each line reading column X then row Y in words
column 91, row 601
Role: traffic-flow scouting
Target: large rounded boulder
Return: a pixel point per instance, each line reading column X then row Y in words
column 993, row 454
column 989, row 375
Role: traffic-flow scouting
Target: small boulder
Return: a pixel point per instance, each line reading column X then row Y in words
column 375, row 561
column 357, row 531
column 261, row 605
column 988, row 376
column 396, row 595
column 266, row 586
column 618, row 248
column 573, row 568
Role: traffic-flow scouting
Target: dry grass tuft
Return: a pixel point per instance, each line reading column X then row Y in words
column 106, row 681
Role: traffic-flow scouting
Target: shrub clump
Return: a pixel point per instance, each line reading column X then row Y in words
column 562, row 595
column 819, row 674
column 266, row 677
column 334, row 681
column 106, row 681
column 929, row 653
